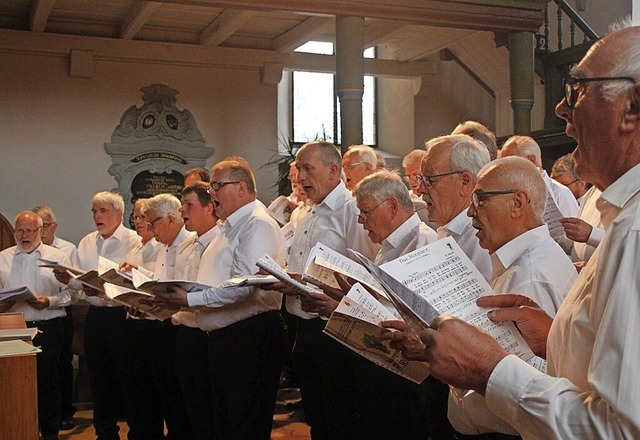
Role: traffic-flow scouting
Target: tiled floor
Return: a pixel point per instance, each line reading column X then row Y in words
column 287, row 424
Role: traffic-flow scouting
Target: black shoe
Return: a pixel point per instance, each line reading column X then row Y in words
column 67, row 424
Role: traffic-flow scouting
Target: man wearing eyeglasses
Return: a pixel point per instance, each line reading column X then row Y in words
column 106, row 329
column 19, row 266
column 449, row 169
column 592, row 385
column 67, row 410
column 507, row 208
column 245, row 331
column 358, row 162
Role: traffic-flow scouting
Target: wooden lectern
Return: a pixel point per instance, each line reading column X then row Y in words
column 18, row 389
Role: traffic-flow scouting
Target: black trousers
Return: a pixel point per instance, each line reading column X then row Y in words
column 50, row 341
column 65, row 367
column 326, row 382
column 192, row 368
column 158, row 397
column 245, row 360
column 107, row 350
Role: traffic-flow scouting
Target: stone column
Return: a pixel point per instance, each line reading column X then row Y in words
column 521, row 77
column 350, row 77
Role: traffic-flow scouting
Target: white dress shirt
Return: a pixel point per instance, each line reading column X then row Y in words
column 536, row 266
column 18, row 269
column 245, row 236
column 164, row 268
column 592, row 386
column 333, row 222
column 114, row 248
column 409, row 236
column 590, row 214
column 461, row 230
column 190, row 253
column 144, row 255
column 564, row 198
column 65, row 246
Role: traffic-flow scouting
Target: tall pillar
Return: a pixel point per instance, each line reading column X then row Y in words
column 521, row 77
column 350, row 77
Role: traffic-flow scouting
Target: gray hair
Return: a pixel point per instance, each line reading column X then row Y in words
column 522, row 175
column 45, row 210
column 383, row 185
column 164, row 205
column 366, row 154
column 564, row 164
column 526, row 146
column 466, row 153
column 480, row 133
column 111, row 198
column 414, row 157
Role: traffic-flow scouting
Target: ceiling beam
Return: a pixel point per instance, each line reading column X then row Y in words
column 228, row 22
column 137, row 17
column 300, row 34
column 379, row 31
column 40, row 10
column 506, row 15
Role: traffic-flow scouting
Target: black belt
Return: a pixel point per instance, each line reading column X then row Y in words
column 43, row 322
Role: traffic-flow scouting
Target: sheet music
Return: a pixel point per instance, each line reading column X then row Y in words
column 323, row 261
column 364, row 306
column 443, row 275
column 271, row 266
column 552, row 217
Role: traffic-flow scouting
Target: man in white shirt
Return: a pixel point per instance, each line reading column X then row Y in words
column 19, row 266
column 527, row 147
column 358, row 162
column 67, row 410
column 449, row 169
column 389, row 405
column 192, row 360
column 106, row 328
column 246, row 334
column 331, row 218
column 412, row 164
column 507, row 209
column 591, row 346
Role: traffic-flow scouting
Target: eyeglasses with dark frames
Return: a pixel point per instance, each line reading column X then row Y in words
column 215, row 186
column 571, row 89
column 479, row 197
column 430, row 181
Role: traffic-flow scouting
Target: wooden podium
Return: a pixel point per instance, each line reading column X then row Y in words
column 18, row 389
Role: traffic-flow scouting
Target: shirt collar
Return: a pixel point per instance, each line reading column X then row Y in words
column 458, row 224
column 118, row 234
column 335, row 197
column 395, row 238
column 240, row 213
column 511, row 251
column 38, row 250
column 617, row 195
column 206, row 238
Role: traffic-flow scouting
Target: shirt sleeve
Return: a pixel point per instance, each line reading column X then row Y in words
column 262, row 239
column 596, row 236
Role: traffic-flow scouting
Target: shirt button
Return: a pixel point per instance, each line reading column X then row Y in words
column 300, row 253
column 305, row 232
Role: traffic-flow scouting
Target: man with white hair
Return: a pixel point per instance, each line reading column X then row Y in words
column 19, row 267
column 49, row 228
column 106, row 328
column 507, row 207
column 449, row 169
column 527, row 147
column 358, row 162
